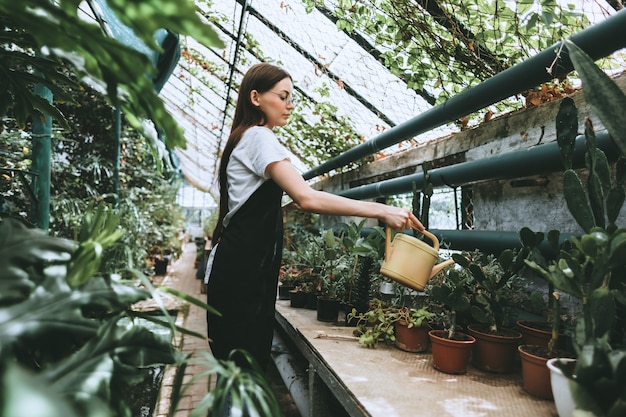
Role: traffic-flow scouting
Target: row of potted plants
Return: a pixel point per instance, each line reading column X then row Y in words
column 480, row 290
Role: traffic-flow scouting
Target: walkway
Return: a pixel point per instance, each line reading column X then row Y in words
column 181, row 275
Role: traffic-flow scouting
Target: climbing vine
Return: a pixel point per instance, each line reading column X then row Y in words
column 441, row 48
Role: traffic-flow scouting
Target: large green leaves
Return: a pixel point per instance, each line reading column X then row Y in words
column 29, row 257
column 567, row 130
column 55, row 29
column 602, row 94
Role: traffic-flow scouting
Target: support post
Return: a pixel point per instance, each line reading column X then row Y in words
column 42, row 150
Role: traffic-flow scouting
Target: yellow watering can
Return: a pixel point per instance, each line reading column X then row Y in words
column 410, row 261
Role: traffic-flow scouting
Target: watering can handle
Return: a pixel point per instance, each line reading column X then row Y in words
column 424, row 232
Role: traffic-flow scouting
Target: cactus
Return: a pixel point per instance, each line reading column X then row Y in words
column 592, row 268
column 363, row 283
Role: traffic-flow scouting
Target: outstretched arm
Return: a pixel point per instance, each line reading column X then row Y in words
column 308, row 199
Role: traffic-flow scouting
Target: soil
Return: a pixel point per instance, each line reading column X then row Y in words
column 544, row 352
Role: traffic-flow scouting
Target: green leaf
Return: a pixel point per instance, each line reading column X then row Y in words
column 596, row 199
column 602, row 305
column 576, row 200
column 567, row 130
column 29, row 255
column 21, row 390
column 602, row 94
column 614, row 202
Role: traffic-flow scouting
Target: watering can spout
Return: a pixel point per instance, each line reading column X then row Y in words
column 439, row 267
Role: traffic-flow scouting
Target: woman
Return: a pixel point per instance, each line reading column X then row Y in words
column 255, row 171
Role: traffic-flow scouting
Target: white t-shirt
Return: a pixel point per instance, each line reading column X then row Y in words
column 257, row 148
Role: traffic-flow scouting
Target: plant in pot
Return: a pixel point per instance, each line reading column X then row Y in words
column 375, row 325
column 451, row 348
column 593, row 268
column 160, row 260
column 363, row 255
column 304, row 289
column 310, row 261
column 335, row 267
column 534, row 358
column 541, row 340
column 539, row 332
column 411, row 327
column 287, row 280
column 494, row 287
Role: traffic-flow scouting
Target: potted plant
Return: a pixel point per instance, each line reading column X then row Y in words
column 541, row 340
column 375, row 325
column 534, row 358
column 451, row 348
column 304, row 289
column 310, row 261
column 592, row 269
column 160, row 260
column 287, row 279
column 411, row 326
column 494, row 286
column 363, row 256
column 334, row 267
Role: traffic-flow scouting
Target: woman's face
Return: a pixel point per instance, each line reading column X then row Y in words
column 276, row 103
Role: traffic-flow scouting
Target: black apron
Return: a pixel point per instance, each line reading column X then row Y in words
column 244, row 278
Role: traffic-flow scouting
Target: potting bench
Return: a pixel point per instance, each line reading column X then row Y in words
column 387, row 381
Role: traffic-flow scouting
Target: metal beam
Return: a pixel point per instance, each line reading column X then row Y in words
column 42, row 154
column 537, row 160
column 598, row 41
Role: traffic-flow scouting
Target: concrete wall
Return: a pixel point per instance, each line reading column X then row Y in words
column 498, row 205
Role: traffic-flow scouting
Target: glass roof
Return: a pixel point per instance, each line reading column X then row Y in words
column 311, row 49
column 326, row 64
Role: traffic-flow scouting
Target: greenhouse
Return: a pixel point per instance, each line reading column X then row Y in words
column 312, row 208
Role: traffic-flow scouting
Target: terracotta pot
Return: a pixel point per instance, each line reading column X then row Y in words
column 494, row 352
column 450, row 355
column 327, row 309
column 413, row 339
column 539, row 333
column 535, row 372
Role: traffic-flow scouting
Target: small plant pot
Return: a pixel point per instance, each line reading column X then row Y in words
column 284, row 292
column 494, row 352
column 563, row 398
column 297, row 299
column 411, row 339
column 160, row 266
column 535, row 372
column 311, row 301
column 451, row 356
column 538, row 333
column 327, row 309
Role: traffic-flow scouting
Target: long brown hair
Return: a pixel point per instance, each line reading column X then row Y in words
column 261, row 77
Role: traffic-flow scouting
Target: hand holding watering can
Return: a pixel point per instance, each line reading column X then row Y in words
column 410, row 261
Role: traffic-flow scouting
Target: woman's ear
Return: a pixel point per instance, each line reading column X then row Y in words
column 254, row 98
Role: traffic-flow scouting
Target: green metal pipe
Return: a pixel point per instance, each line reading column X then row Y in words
column 537, row 160
column 117, row 128
column 488, row 241
column 598, row 41
column 42, row 151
